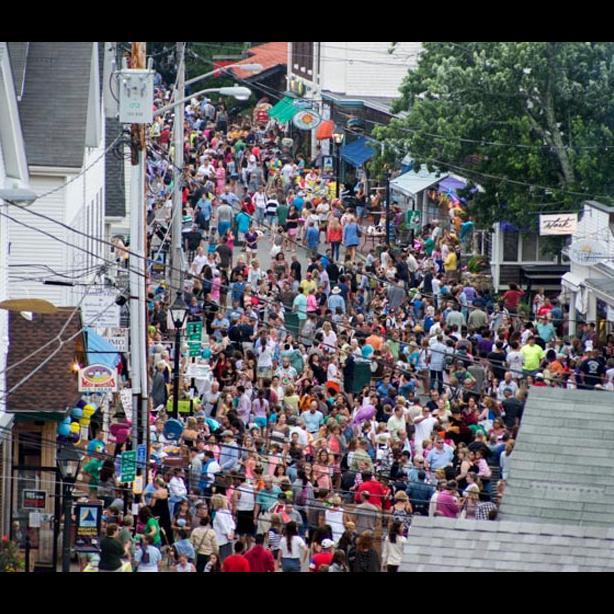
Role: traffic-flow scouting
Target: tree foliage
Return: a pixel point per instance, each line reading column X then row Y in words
column 535, row 113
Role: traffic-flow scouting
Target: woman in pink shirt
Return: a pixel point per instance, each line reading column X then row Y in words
column 447, row 501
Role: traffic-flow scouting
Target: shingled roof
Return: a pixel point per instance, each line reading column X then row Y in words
column 54, row 387
column 53, row 108
column 562, row 467
column 449, row 545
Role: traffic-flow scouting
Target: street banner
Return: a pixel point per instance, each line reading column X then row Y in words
column 558, row 224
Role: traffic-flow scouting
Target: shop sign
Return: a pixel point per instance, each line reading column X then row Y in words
column 306, row 120
column 97, row 378
column 588, row 252
column 87, row 535
column 117, row 337
column 99, row 310
column 34, row 499
column 558, row 224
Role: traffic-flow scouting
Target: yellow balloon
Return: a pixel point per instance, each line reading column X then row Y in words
column 88, row 411
column 84, row 421
column 88, row 406
column 74, row 427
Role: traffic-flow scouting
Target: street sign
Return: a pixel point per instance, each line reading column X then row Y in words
column 97, row 378
column 128, row 466
column 34, row 499
column 141, row 451
column 194, row 333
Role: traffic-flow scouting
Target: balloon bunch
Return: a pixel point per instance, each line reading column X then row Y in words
column 80, row 415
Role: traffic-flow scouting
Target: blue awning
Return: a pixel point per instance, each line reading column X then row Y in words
column 100, row 351
column 359, row 151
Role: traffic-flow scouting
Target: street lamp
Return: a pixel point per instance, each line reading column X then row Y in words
column 338, row 137
column 18, row 195
column 179, row 312
column 68, row 462
column 236, row 91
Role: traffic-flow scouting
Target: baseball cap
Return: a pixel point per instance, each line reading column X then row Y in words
column 327, row 543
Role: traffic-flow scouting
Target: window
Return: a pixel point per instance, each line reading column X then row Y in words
column 510, row 247
column 529, row 248
column 302, row 57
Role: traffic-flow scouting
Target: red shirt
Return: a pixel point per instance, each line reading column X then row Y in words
column 376, row 491
column 322, row 558
column 511, row 298
column 236, row 563
column 260, row 559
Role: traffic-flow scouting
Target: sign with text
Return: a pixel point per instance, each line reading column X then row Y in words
column 34, row 499
column 194, row 333
column 128, row 466
column 117, row 337
column 97, row 378
column 87, row 534
column 588, row 252
column 558, row 224
column 99, row 310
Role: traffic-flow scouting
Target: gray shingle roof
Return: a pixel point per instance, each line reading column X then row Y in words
column 18, row 54
column 115, row 185
column 53, row 109
column 446, row 544
column 562, row 468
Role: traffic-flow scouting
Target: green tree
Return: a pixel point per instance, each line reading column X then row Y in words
column 534, row 113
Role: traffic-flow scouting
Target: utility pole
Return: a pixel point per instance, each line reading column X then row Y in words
column 388, row 208
column 138, row 353
column 176, row 251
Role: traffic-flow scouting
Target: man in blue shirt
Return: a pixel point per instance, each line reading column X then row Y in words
column 335, row 300
column 229, row 454
column 265, row 499
column 313, row 418
column 440, row 456
column 312, row 236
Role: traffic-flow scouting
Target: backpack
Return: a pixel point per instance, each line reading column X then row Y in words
column 301, row 497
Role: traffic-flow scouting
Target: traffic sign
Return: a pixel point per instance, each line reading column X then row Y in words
column 194, row 333
column 414, row 219
column 128, row 466
column 141, row 452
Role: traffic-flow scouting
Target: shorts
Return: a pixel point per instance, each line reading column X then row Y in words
column 223, row 228
column 261, row 422
column 290, row 565
column 245, row 522
column 292, row 232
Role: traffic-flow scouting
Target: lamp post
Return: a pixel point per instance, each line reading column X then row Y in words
column 68, row 462
column 338, row 137
column 179, row 312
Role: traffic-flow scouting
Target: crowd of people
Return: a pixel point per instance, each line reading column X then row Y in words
column 345, row 392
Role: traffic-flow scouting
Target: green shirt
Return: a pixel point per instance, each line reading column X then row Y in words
column 300, row 305
column 153, row 523
column 429, row 246
column 533, row 355
column 282, row 214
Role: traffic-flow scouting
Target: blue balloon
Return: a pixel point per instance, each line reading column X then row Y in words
column 81, row 404
column 76, row 412
column 67, row 420
column 64, row 430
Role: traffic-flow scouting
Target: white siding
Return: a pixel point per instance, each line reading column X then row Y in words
column 4, row 314
column 30, row 247
column 366, row 68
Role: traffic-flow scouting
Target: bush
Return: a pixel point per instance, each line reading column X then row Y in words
column 477, row 264
column 10, row 557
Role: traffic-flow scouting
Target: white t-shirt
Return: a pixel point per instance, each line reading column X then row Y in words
column 423, row 431
column 297, row 547
column 247, row 500
column 515, row 360
column 198, row 263
column 260, row 200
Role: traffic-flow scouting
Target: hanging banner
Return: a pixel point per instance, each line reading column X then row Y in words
column 97, row 378
column 558, row 224
column 588, row 252
column 306, row 120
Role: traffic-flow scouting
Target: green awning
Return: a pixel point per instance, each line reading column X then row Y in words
column 284, row 110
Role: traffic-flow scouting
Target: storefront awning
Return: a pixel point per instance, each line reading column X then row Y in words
column 325, row 130
column 100, row 351
column 284, row 110
column 413, row 183
column 358, row 152
column 571, row 281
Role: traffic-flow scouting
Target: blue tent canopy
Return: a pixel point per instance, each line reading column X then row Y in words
column 358, row 152
column 100, row 351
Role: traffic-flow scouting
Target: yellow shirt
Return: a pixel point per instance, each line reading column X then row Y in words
column 533, row 355
column 308, row 285
column 451, row 261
